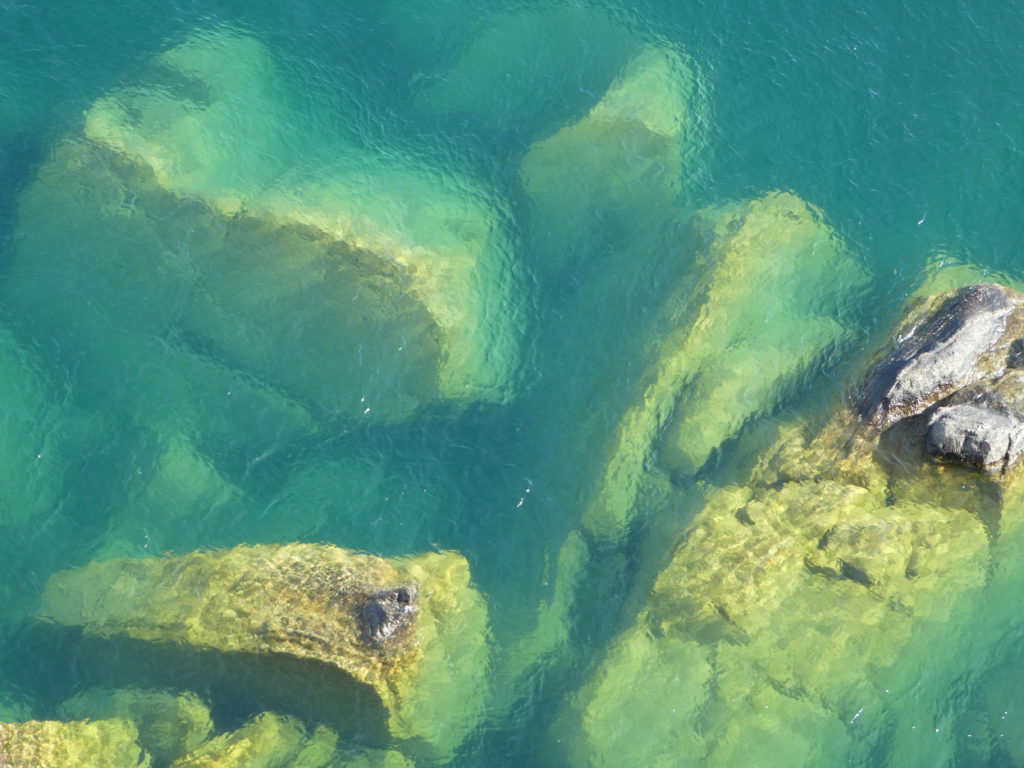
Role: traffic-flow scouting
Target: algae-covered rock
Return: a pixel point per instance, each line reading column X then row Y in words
column 767, row 303
column 768, row 307
column 273, row 741
column 336, row 270
column 267, row 741
column 412, row 629
column 169, row 725
column 629, row 159
column 810, row 594
column 52, row 744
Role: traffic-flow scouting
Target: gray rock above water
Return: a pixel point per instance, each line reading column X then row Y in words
column 957, row 345
column 975, row 434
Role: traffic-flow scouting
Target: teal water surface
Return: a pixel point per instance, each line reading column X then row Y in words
column 201, row 347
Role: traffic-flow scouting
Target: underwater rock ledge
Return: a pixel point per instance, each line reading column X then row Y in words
column 412, row 629
column 797, row 605
column 80, row 744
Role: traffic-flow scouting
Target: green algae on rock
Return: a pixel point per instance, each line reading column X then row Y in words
column 273, row 741
column 412, row 629
column 809, row 595
column 267, row 741
column 768, row 304
column 427, row 248
column 169, row 725
column 52, row 744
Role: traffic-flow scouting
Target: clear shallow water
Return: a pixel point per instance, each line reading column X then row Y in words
column 902, row 123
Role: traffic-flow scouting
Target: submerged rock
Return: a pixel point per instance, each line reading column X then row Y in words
column 52, row 744
column 767, row 307
column 797, row 606
column 412, row 629
column 523, row 65
column 266, row 741
column 239, row 219
column 273, row 741
column 767, row 303
column 169, row 725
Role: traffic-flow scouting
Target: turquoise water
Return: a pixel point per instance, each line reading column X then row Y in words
column 170, row 386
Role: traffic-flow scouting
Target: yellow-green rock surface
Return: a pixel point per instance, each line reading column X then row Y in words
column 343, row 229
column 799, row 608
column 267, row 741
column 52, row 744
column 169, row 725
column 273, row 741
column 413, row 629
column 765, row 302
column 767, row 306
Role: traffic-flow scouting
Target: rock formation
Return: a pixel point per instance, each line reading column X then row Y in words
column 237, row 229
column 168, row 725
column 797, row 606
column 412, row 629
column 732, row 343
column 273, row 741
column 52, row 744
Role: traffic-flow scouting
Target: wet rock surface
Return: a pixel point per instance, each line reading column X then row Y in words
column 78, row 744
column 956, row 365
column 846, row 548
column 413, row 629
column 389, row 613
column 937, row 356
column 976, row 435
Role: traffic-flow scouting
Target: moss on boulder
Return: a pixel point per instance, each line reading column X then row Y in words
column 52, row 744
column 412, row 629
column 169, row 725
column 337, row 229
column 810, row 594
column 769, row 304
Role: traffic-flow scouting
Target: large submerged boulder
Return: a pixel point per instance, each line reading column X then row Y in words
column 274, row 741
column 80, row 744
column 767, row 301
column 795, row 610
column 412, row 629
column 241, row 220
column 519, row 68
column 169, row 725
column 773, row 288
column 266, row 741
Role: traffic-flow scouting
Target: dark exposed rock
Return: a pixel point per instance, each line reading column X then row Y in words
column 939, row 356
column 389, row 612
column 1016, row 357
column 976, row 434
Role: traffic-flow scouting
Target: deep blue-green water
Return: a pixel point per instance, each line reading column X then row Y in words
column 168, row 386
